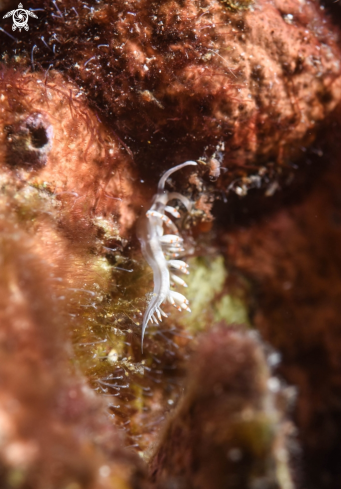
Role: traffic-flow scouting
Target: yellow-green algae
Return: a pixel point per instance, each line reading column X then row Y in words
column 238, row 4
column 210, row 303
column 232, row 310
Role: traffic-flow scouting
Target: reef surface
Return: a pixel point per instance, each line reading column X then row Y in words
column 97, row 100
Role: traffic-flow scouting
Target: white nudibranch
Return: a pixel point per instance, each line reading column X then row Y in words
column 161, row 250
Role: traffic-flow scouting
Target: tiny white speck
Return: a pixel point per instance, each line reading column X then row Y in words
column 288, row 18
column 104, row 471
column 112, row 356
column 274, row 384
column 274, row 359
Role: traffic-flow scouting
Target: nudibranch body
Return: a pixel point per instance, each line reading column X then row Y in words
column 162, row 250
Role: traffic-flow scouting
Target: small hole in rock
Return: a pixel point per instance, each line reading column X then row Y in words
column 38, row 136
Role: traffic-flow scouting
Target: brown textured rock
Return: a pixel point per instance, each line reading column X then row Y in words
column 227, row 430
column 292, row 258
column 183, row 80
column 51, row 140
column 54, row 431
column 57, row 185
column 244, row 90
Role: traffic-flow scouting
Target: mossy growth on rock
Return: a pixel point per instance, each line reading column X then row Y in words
column 211, row 299
column 237, row 4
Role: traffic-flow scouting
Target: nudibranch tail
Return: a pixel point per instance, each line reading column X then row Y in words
column 160, row 250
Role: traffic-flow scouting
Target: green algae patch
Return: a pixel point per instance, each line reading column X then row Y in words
column 16, row 477
column 209, row 299
column 254, row 432
column 232, row 310
column 206, row 280
column 30, row 203
column 237, row 4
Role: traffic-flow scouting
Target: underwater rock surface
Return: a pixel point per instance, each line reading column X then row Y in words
column 95, row 104
column 229, row 429
column 195, row 79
